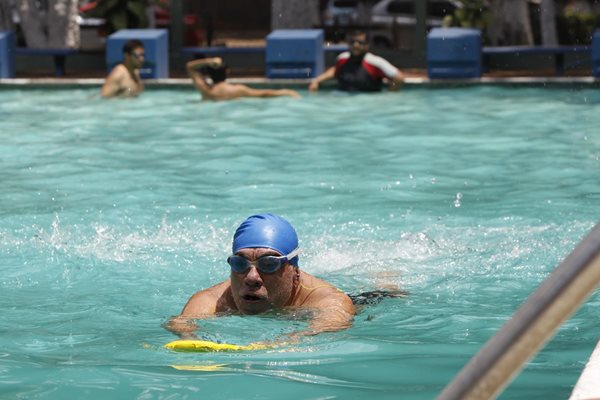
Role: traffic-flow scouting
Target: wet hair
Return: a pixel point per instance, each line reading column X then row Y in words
column 355, row 33
column 218, row 74
column 131, row 45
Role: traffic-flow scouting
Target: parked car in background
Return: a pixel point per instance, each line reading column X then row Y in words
column 340, row 12
column 398, row 19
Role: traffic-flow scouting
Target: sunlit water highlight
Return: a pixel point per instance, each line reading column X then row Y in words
column 113, row 212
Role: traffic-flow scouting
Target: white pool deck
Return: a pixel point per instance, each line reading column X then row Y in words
column 588, row 384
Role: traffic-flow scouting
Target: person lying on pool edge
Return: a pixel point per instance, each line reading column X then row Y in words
column 209, row 76
column 265, row 276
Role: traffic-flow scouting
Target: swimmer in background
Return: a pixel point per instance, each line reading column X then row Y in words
column 265, row 276
column 209, row 76
column 124, row 79
column 358, row 70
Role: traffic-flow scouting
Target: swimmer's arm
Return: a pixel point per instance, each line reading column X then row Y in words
column 328, row 319
column 332, row 310
column 396, row 81
column 325, row 76
column 245, row 91
column 203, row 62
column 114, row 82
column 200, row 83
column 332, row 314
column 193, row 67
column 140, row 82
column 203, row 304
column 183, row 327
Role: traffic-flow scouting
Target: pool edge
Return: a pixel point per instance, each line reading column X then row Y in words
column 303, row 83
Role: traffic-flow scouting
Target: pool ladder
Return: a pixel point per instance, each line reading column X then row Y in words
column 532, row 325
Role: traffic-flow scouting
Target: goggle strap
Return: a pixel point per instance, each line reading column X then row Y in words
column 293, row 254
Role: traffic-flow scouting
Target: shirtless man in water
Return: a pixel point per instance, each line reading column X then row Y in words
column 217, row 88
column 124, row 80
column 265, row 276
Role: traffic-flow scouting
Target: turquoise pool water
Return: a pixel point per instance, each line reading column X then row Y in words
column 113, row 213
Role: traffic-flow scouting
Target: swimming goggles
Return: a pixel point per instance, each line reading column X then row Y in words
column 267, row 264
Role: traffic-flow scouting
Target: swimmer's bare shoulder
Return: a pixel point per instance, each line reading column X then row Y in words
column 332, row 309
column 211, row 301
column 113, row 83
column 318, row 293
column 119, row 83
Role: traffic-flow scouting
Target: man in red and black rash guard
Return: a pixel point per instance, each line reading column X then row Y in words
column 357, row 70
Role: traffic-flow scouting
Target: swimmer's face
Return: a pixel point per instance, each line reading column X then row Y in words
column 359, row 44
column 137, row 56
column 256, row 292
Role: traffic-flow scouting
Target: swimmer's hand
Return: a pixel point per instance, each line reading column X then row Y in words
column 292, row 93
column 183, row 327
column 393, row 86
column 325, row 76
column 395, row 83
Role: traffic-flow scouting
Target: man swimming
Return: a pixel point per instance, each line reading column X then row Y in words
column 209, row 76
column 358, row 70
column 124, row 79
column 265, row 276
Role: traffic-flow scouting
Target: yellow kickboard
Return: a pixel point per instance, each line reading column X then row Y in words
column 203, row 368
column 208, row 346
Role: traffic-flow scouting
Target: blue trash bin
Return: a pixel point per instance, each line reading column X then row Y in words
column 295, row 53
column 7, row 55
column 156, row 49
column 454, row 53
column 596, row 53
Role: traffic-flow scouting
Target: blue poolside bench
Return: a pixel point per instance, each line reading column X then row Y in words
column 59, row 54
column 454, row 53
column 457, row 53
column 558, row 52
column 7, row 58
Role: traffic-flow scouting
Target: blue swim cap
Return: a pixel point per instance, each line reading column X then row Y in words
column 269, row 231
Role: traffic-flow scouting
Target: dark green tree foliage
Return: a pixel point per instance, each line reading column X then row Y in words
column 122, row 14
column 577, row 28
column 473, row 14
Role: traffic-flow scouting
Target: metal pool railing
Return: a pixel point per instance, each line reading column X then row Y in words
column 533, row 324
